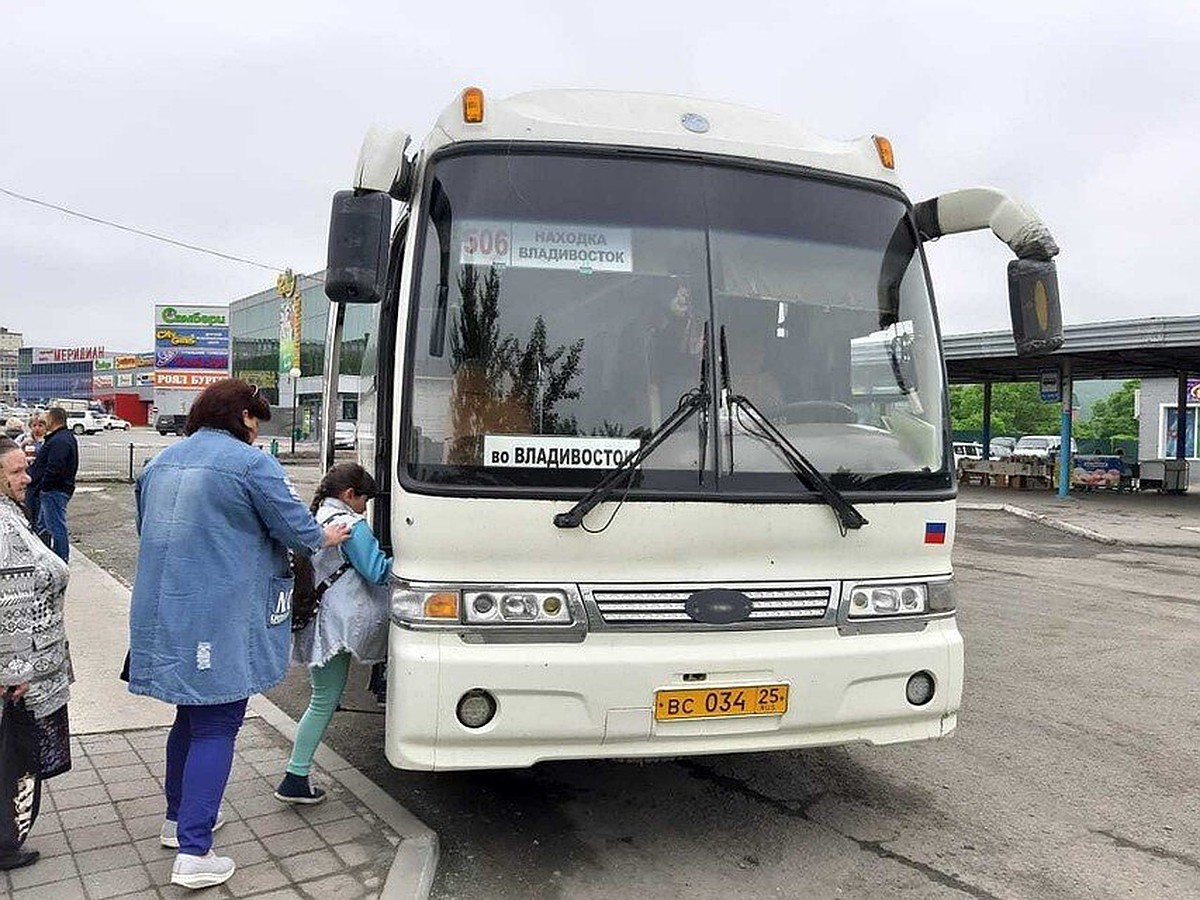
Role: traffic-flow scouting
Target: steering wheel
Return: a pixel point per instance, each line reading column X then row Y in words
column 804, row 411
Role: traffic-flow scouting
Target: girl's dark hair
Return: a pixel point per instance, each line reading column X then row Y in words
column 340, row 477
column 221, row 405
column 305, row 598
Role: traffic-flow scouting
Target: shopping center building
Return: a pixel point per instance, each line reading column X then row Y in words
column 263, row 352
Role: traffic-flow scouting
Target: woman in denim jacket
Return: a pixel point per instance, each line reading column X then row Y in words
column 211, row 607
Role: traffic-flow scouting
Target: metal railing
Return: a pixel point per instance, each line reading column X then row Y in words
column 113, row 462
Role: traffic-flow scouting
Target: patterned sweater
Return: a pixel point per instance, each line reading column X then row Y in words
column 33, row 584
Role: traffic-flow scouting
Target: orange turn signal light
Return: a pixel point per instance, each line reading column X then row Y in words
column 884, row 147
column 443, row 605
column 472, row 98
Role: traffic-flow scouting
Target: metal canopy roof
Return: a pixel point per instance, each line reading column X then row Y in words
column 1133, row 348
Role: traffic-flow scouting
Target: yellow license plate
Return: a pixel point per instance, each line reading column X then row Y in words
column 715, row 703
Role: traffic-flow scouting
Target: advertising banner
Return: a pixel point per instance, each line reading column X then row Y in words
column 190, row 338
column 289, row 334
column 102, row 382
column 177, row 358
column 1171, row 423
column 103, row 364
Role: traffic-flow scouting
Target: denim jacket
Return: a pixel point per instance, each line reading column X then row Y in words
column 210, row 620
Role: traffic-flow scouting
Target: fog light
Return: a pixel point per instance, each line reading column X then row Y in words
column 484, row 604
column 476, row 708
column 920, row 689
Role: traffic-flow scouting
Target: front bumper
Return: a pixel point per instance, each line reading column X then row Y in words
column 595, row 699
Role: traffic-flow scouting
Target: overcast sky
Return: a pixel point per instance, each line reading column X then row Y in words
column 229, row 125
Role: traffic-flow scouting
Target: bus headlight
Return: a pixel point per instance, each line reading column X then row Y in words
column 517, row 607
column 498, row 605
column 872, row 600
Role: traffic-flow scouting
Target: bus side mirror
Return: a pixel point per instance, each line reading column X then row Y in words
column 1033, row 303
column 357, row 263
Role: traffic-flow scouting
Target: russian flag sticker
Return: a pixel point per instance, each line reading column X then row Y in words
column 935, row 532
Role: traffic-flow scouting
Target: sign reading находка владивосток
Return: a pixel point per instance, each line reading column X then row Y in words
column 540, row 245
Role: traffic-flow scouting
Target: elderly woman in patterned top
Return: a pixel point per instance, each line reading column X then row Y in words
column 33, row 648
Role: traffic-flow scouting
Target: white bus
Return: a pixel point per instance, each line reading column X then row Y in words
column 657, row 401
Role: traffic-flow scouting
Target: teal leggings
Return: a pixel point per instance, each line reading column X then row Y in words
column 328, row 682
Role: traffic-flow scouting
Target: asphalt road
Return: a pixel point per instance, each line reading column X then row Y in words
column 1073, row 773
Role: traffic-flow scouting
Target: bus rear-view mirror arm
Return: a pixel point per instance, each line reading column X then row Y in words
column 1032, row 277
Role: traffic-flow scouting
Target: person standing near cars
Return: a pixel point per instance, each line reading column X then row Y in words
column 31, row 442
column 52, row 481
column 35, row 664
column 210, row 616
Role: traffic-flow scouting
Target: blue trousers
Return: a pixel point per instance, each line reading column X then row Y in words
column 52, row 517
column 199, row 757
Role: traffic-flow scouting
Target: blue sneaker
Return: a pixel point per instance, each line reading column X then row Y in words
column 296, row 789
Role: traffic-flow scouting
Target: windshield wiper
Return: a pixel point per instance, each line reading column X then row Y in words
column 695, row 400
column 848, row 517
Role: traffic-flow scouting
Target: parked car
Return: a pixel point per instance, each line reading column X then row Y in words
column 83, row 421
column 344, row 433
column 1002, row 447
column 170, row 423
column 1040, row 447
column 115, row 423
column 966, row 450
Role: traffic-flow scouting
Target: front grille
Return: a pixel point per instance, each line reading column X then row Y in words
column 774, row 606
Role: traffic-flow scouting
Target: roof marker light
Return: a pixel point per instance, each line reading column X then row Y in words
column 884, row 146
column 472, row 98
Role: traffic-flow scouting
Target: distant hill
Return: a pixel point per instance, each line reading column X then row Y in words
column 1088, row 392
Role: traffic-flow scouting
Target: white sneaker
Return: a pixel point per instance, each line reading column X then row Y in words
column 201, row 871
column 169, row 836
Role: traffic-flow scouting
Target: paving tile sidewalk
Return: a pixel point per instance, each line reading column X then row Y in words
column 99, row 825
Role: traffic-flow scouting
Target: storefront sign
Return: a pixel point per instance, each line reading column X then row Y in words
column 103, row 364
column 259, row 378
column 134, row 361
column 187, row 379
column 66, row 354
column 102, row 382
column 210, row 316
column 187, row 336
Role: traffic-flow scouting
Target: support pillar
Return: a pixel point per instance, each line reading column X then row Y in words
column 1066, row 385
column 987, row 420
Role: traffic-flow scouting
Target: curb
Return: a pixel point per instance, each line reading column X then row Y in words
column 412, row 871
column 1042, row 519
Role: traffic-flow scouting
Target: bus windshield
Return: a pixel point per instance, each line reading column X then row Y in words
column 561, row 302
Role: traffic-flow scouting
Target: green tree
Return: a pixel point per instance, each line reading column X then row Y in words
column 1017, row 409
column 1113, row 417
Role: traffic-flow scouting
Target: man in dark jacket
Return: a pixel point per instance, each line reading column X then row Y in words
column 52, row 481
